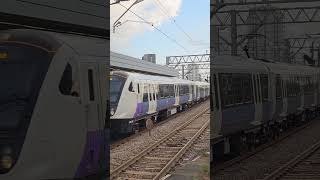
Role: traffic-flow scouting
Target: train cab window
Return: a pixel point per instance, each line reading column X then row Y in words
column 117, row 82
column 65, row 84
column 138, row 89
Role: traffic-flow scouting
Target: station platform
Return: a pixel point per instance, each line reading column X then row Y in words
column 128, row 63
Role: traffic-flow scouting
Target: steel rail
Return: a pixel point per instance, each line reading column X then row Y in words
column 125, row 165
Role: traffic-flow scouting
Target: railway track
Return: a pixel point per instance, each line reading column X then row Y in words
column 129, row 138
column 158, row 158
column 305, row 166
column 221, row 166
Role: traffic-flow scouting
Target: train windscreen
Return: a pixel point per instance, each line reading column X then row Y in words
column 22, row 71
column 116, row 86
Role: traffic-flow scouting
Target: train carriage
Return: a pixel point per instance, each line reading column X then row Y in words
column 254, row 100
column 136, row 97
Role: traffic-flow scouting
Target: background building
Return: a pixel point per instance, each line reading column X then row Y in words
column 149, row 58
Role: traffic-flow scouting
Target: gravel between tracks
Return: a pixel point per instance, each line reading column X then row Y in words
column 200, row 148
column 268, row 160
column 124, row 152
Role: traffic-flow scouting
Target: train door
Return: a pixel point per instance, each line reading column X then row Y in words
column 145, row 97
column 91, row 98
column 257, row 100
column 152, row 98
column 139, row 96
column 176, row 93
column 190, row 92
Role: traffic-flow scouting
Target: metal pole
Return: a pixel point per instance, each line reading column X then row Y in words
column 233, row 33
column 318, row 55
column 183, row 71
column 115, row 23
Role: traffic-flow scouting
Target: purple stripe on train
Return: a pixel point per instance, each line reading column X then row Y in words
column 92, row 156
column 142, row 108
column 165, row 103
column 139, row 110
column 184, row 99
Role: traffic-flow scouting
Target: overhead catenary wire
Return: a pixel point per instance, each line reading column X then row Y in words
column 163, row 9
column 163, row 33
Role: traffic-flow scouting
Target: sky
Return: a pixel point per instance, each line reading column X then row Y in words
column 186, row 22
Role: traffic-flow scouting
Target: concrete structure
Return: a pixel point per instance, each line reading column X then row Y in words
column 124, row 62
column 149, row 58
column 81, row 16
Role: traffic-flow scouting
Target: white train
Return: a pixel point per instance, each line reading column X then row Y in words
column 135, row 97
column 53, row 102
column 254, row 100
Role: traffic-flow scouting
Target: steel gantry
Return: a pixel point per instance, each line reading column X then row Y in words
column 192, row 67
column 259, row 26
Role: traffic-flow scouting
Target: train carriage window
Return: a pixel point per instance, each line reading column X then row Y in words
column 166, row 91
column 180, row 90
column 171, row 90
column 236, row 88
column 264, row 86
column 278, row 87
column 65, row 84
column 255, row 88
column 160, row 94
column 247, row 89
column 145, row 93
column 225, row 80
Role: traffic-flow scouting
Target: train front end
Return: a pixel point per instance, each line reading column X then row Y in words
column 123, row 101
column 45, row 130
column 23, row 68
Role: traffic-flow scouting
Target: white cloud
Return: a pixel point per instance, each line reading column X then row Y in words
column 150, row 10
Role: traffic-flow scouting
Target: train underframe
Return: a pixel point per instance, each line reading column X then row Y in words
column 123, row 127
column 236, row 144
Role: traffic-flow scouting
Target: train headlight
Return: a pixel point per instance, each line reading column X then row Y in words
column 6, row 162
column 112, row 112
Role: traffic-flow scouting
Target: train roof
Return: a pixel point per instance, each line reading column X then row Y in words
column 238, row 63
column 82, row 45
column 140, row 76
column 253, row 65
